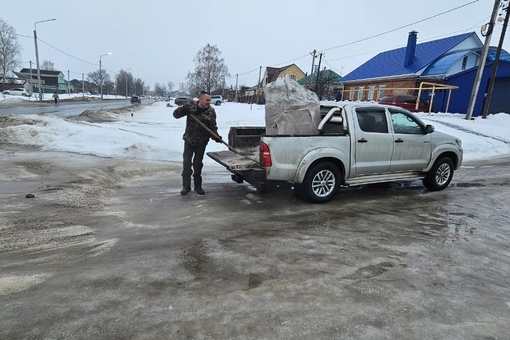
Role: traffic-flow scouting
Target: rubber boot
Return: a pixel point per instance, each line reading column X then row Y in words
column 186, row 185
column 198, row 185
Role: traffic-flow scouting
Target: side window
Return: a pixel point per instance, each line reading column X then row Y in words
column 404, row 123
column 372, row 120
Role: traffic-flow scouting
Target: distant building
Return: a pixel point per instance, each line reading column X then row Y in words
column 51, row 81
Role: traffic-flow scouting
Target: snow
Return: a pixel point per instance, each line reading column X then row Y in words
column 153, row 134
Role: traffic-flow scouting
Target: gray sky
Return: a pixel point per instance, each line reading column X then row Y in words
column 159, row 39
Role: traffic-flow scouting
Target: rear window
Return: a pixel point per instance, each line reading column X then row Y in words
column 386, row 100
column 406, row 99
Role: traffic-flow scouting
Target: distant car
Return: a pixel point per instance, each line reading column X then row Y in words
column 406, row 102
column 136, row 100
column 17, row 92
column 182, row 100
column 216, row 99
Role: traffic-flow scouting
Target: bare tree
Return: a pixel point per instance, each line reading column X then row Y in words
column 10, row 50
column 210, row 70
column 47, row 65
column 170, row 86
column 183, row 88
column 325, row 79
column 124, row 82
column 95, row 79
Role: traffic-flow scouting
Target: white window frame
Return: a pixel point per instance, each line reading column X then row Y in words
column 371, row 91
column 361, row 89
column 381, row 90
column 351, row 93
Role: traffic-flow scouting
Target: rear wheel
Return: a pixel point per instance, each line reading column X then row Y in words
column 321, row 183
column 218, row 103
column 440, row 175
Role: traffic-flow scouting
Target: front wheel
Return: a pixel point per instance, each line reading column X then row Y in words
column 440, row 175
column 320, row 184
column 218, row 103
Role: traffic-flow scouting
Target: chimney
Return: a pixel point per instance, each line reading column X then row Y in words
column 411, row 48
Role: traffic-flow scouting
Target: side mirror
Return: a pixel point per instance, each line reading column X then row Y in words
column 429, row 129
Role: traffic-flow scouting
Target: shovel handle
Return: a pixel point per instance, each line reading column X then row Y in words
column 212, row 133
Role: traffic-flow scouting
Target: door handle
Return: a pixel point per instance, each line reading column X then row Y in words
column 400, row 140
column 362, row 140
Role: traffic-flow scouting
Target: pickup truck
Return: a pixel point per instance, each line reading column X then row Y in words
column 356, row 144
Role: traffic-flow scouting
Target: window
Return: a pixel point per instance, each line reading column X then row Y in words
column 404, row 123
column 464, row 63
column 371, row 90
column 293, row 77
column 360, row 92
column 372, row 120
column 351, row 93
column 381, row 91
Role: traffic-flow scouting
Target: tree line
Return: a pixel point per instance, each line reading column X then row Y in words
column 209, row 74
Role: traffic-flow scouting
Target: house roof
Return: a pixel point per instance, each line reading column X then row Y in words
column 274, row 72
column 442, row 65
column 45, row 72
column 328, row 74
column 391, row 63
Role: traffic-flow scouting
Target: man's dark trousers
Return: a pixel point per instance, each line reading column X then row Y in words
column 193, row 156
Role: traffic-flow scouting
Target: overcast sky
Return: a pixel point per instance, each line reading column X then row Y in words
column 159, row 39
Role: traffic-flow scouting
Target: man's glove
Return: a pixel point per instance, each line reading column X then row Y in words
column 218, row 140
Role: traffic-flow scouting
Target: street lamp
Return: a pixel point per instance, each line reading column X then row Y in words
column 131, row 68
column 37, row 57
column 101, row 74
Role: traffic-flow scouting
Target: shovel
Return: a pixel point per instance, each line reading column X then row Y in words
column 217, row 137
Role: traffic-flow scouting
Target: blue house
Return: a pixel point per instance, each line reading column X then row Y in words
column 444, row 69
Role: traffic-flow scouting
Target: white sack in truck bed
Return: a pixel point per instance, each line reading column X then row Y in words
column 291, row 109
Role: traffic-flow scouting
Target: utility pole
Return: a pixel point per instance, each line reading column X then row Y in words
column 68, row 84
column 237, row 79
column 258, row 87
column 37, row 58
column 494, row 70
column 318, row 74
column 314, row 55
column 483, row 57
column 31, row 85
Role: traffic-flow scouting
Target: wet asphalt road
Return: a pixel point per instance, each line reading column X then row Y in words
column 65, row 108
column 377, row 262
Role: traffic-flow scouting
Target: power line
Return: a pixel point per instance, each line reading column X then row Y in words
column 384, row 33
column 400, row 27
column 67, row 54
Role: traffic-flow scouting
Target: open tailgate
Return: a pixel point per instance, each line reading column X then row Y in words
column 234, row 162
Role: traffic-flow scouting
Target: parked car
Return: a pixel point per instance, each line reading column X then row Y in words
column 136, row 100
column 182, row 100
column 17, row 92
column 406, row 102
column 217, row 99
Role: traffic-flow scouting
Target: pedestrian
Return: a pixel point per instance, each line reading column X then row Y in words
column 55, row 97
column 196, row 138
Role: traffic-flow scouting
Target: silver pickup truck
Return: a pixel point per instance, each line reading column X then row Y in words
column 356, row 143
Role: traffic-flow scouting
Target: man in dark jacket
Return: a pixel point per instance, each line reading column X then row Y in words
column 196, row 138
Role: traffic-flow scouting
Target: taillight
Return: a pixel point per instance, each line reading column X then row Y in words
column 265, row 156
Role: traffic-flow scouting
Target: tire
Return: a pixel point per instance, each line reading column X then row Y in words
column 321, row 183
column 440, row 175
column 24, row 94
column 218, row 103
